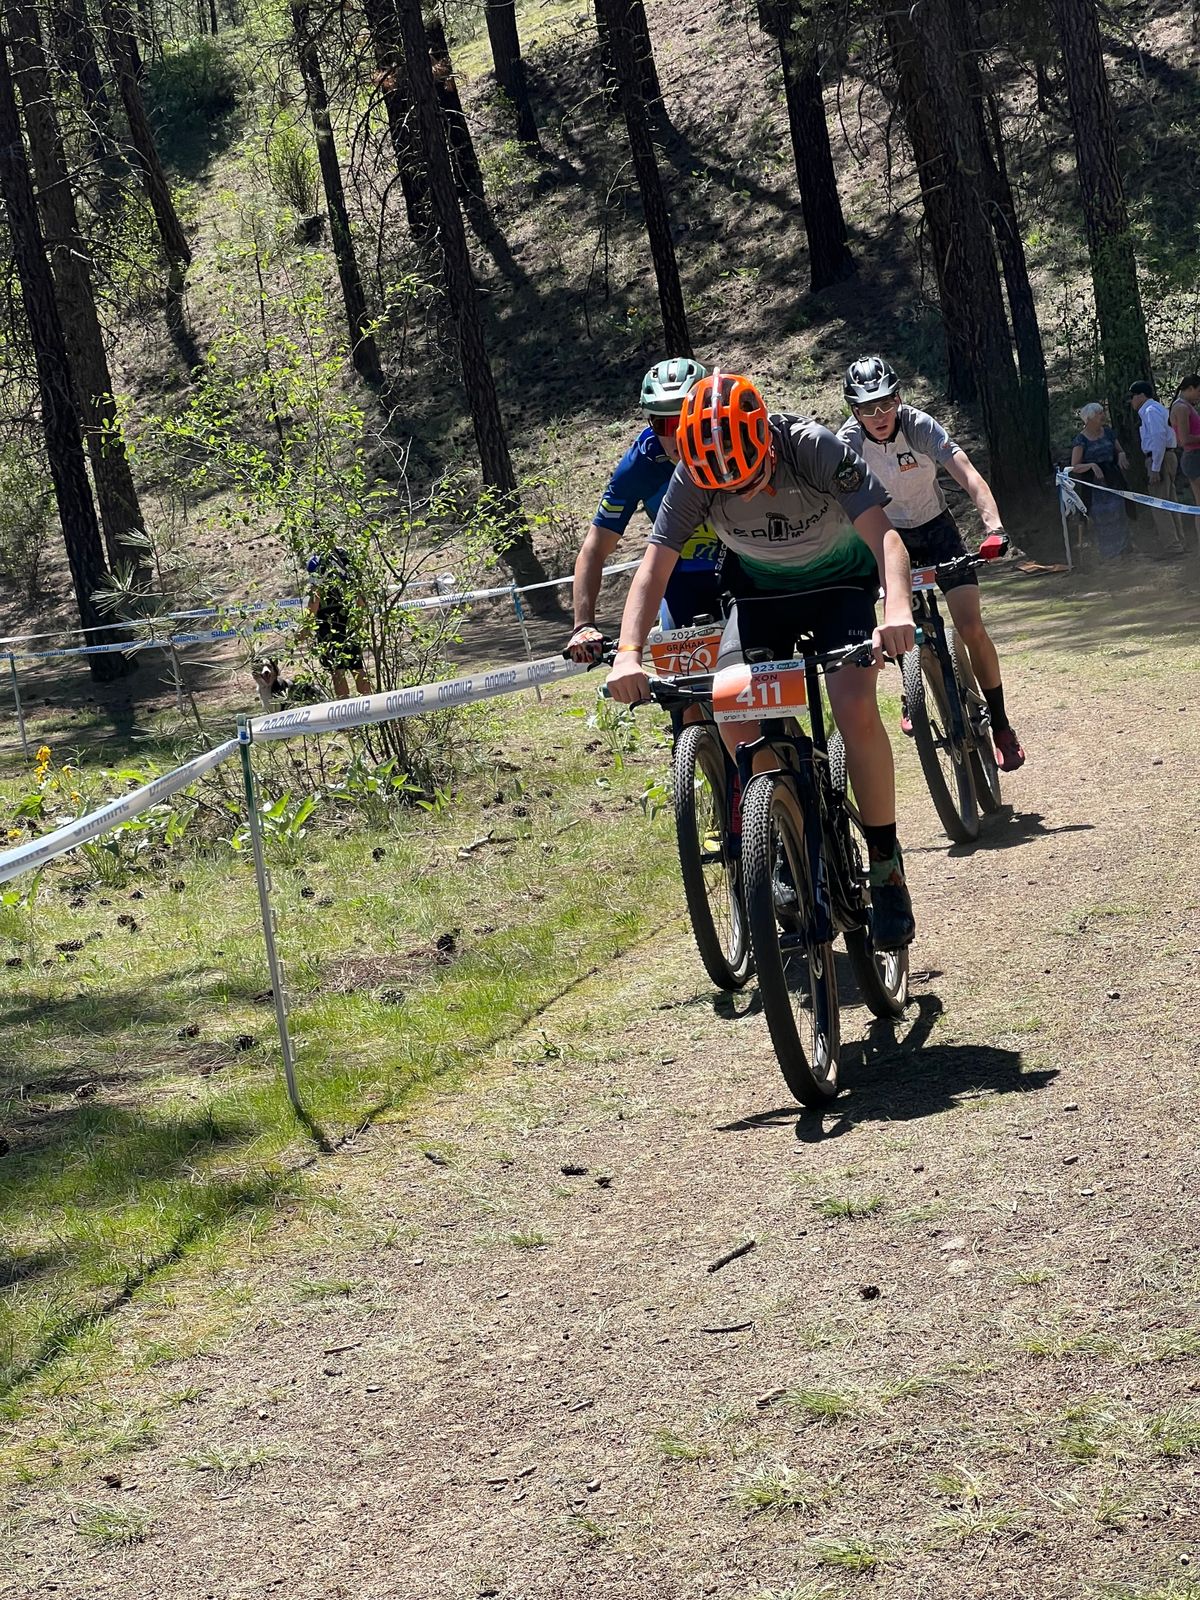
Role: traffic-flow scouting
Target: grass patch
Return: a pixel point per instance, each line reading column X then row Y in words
column 1174, row 1432
column 835, row 1206
column 774, row 1489
column 850, row 1554
column 112, row 1527
column 325, row 1289
column 231, row 1461
column 823, row 1406
column 141, row 1098
column 672, row 1446
column 953, row 1529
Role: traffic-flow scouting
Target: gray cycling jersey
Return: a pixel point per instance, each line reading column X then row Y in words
column 796, row 534
column 907, row 465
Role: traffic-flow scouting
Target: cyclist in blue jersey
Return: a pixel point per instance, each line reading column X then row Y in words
column 640, row 479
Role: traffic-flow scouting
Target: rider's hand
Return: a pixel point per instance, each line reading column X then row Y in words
column 627, row 682
column 585, row 644
column 894, row 637
column 994, row 546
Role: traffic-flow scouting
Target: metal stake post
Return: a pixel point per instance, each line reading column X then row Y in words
column 520, row 610
column 12, row 667
column 1062, row 508
column 274, row 966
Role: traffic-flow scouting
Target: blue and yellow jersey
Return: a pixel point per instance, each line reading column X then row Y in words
column 640, row 479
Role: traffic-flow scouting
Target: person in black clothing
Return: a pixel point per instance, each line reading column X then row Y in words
column 339, row 640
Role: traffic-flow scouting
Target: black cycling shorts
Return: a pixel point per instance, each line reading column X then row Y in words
column 765, row 620
column 935, row 541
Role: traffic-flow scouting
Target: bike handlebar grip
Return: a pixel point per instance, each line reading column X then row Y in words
column 918, row 637
column 994, row 546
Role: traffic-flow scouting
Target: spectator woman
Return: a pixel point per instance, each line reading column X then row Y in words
column 1185, row 419
column 1096, row 455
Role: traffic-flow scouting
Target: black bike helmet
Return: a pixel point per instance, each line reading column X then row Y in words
column 869, row 378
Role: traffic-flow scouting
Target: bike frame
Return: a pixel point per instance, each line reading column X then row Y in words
column 928, row 617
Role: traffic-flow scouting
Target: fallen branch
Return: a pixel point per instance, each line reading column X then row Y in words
column 731, row 1255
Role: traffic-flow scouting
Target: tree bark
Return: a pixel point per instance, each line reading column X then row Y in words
column 1119, row 311
column 468, row 177
column 75, row 45
column 501, row 18
column 973, row 303
column 649, row 180
column 64, row 446
column 829, row 257
column 514, row 544
column 924, row 134
column 398, row 108
column 363, row 350
column 120, row 511
column 127, row 66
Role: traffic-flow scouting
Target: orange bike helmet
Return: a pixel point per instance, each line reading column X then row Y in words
column 723, row 435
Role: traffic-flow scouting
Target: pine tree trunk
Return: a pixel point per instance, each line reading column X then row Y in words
column 501, row 18
column 363, row 350
column 645, row 166
column 384, row 29
column 75, row 45
column 514, row 544
column 637, row 30
column 973, row 307
column 120, row 512
column 64, row 446
column 1006, row 228
column 468, row 177
column 127, row 65
column 1110, row 243
column 924, row 134
column 212, row 17
column 829, row 258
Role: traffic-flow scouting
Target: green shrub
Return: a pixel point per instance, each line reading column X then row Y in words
column 26, row 513
column 292, row 165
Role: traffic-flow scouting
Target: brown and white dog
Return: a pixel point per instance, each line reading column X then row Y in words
column 274, row 690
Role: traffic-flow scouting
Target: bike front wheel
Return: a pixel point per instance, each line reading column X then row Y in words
column 881, row 975
column 984, row 770
column 796, row 975
column 942, row 755
column 711, row 882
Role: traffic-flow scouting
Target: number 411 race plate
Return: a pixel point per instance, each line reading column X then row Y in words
column 765, row 689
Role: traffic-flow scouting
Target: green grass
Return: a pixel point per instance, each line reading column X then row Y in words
column 850, row 1554
column 1174, row 1432
column 231, row 1461
column 823, row 1406
column 672, row 1446
column 113, row 1527
column 836, row 1206
column 135, row 1150
column 774, row 1489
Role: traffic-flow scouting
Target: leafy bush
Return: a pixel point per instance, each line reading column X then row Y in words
column 292, row 165
column 191, row 88
column 26, row 512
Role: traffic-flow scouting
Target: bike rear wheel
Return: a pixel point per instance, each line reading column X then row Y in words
column 796, row 977
column 881, row 975
column 711, row 883
column 943, row 757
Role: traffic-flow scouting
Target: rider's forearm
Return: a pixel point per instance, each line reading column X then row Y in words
column 897, row 576
column 589, row 572
column 981, row 495
column 646, row 594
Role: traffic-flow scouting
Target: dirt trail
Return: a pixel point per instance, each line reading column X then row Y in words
column 985, row 1385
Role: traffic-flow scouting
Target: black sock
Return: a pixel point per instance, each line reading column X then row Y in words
column 995, row 701
column 881, row 840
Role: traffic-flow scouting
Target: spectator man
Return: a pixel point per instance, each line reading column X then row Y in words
column 1162, row 462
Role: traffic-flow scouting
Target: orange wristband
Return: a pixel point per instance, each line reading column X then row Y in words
column 638, row 647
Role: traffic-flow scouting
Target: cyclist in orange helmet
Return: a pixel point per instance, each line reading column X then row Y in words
column 802, row 518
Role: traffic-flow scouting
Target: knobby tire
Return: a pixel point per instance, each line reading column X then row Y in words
column 928, row 711
column 725, row 953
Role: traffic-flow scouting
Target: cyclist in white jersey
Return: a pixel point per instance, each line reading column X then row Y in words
column 904, row 448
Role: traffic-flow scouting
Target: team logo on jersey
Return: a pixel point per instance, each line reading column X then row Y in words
column 906, row 461
column 849, row 476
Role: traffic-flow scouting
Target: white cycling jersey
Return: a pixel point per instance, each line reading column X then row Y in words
column 906, row 464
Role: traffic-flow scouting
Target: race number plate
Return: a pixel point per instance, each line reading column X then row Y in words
column 924, row 578
column 683, row 651
column 766, row 689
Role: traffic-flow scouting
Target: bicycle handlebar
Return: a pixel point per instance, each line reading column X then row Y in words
column 668, row 691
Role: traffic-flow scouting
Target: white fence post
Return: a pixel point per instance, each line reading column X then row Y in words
column 12, row 667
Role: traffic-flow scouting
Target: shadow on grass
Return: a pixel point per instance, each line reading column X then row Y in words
column 214, row 1207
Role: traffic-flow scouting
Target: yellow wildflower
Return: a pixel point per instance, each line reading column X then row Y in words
column 43, row 755
column 14, row 833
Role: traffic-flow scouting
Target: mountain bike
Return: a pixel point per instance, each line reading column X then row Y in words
column 952, row 727
column 798, row 824
column 706, row 795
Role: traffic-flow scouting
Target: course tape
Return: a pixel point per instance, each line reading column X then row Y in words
column 134, row 645
column 1068, row 488
column 38, row 851
column 151, row 622
column 332, row 716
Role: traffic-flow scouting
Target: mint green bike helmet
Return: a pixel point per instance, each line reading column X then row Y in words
column 667, row 385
